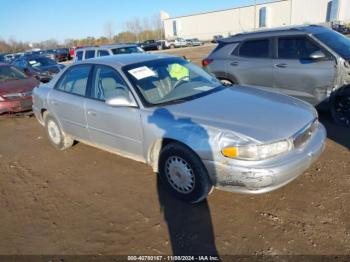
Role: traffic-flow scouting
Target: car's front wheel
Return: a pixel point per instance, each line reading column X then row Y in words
column 340, row 108
column 183, row 173
column 56, row 136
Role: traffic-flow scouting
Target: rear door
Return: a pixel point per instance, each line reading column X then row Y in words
column 251, row 63
column 297, row 75
column 67, row 101
column 118, row 128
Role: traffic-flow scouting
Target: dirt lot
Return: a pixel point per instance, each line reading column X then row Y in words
column 86, row 201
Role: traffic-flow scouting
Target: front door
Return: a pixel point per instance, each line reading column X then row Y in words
column 296, row 74
column 118, row 128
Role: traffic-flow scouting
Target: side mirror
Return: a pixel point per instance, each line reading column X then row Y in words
column 121, row 100
column 317, row 55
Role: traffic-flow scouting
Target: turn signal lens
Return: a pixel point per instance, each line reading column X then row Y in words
column 230, row 152
column 258, row 152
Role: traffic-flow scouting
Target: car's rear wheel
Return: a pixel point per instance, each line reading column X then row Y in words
column 172, row 46
column 183, row 173
column 56, row 136
column 340, row 108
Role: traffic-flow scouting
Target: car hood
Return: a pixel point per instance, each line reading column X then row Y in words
column 259, row 115
column 18, row 86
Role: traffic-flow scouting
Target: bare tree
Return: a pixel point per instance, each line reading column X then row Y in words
column 109, row 30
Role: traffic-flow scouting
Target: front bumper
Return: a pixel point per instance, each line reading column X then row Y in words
column 265, row 176
column 16, row 106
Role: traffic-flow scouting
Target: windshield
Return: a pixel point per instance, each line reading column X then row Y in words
column 10, row 73
column 170, row 80
column 127, row 50
column 41, row 61
column 338, row 42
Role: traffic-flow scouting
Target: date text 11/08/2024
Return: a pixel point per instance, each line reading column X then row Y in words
column 173, row 258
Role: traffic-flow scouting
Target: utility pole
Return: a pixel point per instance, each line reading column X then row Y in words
column 291, row 12
column 254, row 15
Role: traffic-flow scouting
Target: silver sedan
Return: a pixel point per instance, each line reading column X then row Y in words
column 194, row 132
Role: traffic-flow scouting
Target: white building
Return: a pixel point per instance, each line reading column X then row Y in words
column 248, row 18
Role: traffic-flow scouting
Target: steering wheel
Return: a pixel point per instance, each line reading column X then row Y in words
column 181, row 79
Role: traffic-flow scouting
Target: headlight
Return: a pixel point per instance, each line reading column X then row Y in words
column 2, row 99
column 258, row 152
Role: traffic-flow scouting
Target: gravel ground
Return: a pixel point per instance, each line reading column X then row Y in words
column 87, row 201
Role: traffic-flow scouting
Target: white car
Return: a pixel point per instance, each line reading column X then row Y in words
column 92, row 52
column 178, row 42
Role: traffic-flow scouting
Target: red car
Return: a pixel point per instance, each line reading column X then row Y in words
column 15, row 90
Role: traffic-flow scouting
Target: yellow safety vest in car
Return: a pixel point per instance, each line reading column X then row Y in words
column 178, row 71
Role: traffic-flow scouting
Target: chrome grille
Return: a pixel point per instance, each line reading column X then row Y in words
column 304, row 135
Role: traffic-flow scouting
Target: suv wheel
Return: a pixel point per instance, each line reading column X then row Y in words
column 57, row 138
column 340, row 108
column 183, row 173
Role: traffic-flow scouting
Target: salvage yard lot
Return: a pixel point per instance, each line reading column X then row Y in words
column 87, row 201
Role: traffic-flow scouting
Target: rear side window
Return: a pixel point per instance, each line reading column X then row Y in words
column 89, row 54
column 255, row 48
column 296, row 48
column 79, row 55
column 102, row 53
column 75, row 80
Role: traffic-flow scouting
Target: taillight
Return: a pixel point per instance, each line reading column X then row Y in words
column 206, row 62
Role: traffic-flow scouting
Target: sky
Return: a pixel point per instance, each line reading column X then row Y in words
column 39, row 20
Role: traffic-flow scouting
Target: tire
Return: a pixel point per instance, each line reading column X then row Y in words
column 193, row 184
column 172, row 46
column 340, row 108
column 55, row 134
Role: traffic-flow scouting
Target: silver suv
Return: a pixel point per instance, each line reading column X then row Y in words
column 307, row 62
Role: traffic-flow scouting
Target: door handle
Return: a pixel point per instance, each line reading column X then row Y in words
column 234, row 63
column 91, row 113
column 281, row 65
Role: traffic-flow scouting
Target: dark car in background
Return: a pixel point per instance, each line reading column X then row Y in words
column 150, row 45
column 15, row 90
column 59, row 55
column 343, row 29
column 62, row 54
column 216, row 38
column 40, row 67
column 311, row 63
column 2, row 58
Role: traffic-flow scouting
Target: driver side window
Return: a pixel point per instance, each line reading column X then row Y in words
column 107, row 84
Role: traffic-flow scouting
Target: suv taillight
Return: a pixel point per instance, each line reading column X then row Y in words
column 206, row 62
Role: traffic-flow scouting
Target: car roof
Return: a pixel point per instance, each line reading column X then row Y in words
column 125, row 59
column 107, row 47
column 280, row 31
